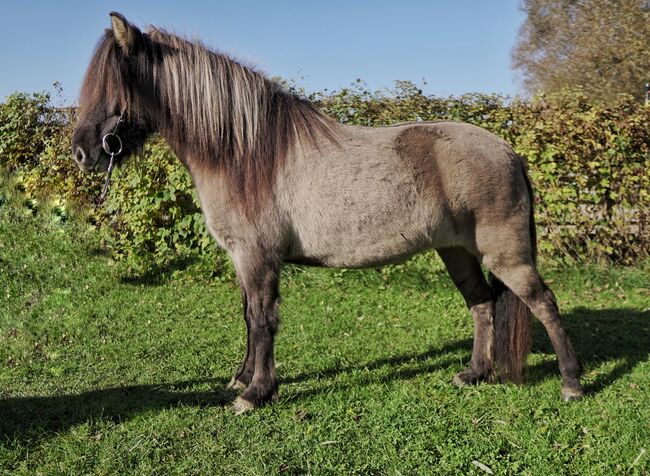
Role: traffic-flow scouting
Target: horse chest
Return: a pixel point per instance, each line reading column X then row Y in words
column 231, row 229
column 221, row 221
column 220, row 229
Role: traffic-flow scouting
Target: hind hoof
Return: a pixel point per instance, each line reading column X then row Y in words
column 241, row 405
column 572, row 394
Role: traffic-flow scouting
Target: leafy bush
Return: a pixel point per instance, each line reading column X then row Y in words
column 35, row 147
column 588, row 163
column 590, row 167
column 26, row 123
column 151, row 214
column 152, row 210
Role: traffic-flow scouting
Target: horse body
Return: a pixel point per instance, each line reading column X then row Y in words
column 278, row 182
column 357, row 203
column 390, row 191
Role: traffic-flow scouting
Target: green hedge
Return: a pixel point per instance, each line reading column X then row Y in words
column 589, row 165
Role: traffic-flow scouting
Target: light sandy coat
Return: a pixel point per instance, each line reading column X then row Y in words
column 281, row 183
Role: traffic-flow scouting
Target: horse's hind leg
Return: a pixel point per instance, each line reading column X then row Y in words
column 465, row 271
column 524, row 280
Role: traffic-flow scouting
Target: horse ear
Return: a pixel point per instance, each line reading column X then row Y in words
column 125, row 33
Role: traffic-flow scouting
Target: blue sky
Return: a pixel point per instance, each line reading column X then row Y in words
column 458, row 46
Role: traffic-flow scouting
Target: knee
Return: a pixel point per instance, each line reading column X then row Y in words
column 264, row 315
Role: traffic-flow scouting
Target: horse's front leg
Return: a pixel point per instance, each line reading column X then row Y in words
column 244, row 374
column 260, row 283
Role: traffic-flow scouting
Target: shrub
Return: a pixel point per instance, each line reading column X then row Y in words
column 152, row 210
column 35, row 147
column 26, row 123
column 588, row 163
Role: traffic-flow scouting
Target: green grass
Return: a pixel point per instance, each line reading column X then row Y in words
column 103, row 373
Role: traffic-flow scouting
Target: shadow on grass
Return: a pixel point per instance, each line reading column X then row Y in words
column 158, row 274
column 599, row 336
column 29, row 417
column 403, row 366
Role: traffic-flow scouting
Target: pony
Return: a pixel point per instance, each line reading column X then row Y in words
column 280, row 182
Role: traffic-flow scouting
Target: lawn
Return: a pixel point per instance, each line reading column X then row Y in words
column 102, row 372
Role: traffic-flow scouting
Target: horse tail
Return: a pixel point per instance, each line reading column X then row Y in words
column 512, row 318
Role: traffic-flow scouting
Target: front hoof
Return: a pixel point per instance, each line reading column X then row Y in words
column 254, row 397
column 241, row 405
column 236, row 385
column 570, row 394
column 466, row 377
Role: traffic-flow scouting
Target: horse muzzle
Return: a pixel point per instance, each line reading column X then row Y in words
column 86, row 162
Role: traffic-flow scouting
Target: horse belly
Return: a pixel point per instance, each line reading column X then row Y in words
column 374, row 234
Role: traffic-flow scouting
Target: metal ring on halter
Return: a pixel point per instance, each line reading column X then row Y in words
column 106, row 146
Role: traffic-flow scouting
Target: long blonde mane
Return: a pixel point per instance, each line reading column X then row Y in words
column 208, row 106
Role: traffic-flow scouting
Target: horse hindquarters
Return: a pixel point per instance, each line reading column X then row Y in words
column 508, row 249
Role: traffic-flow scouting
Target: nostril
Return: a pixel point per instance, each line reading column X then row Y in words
column 79, row 155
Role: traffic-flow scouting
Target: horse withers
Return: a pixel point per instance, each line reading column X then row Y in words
column 279, row 182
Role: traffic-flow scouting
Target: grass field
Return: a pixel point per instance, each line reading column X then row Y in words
column 102, row 373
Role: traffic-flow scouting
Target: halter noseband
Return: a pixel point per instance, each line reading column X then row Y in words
column 106, row 145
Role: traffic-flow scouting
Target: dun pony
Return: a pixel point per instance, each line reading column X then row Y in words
column 279, row 183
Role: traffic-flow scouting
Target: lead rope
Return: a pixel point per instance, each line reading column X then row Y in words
column 111, row 163
column 107, row 148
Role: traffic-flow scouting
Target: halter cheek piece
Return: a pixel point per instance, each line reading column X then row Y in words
column 109, row 142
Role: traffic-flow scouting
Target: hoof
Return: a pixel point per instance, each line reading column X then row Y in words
column 241, row 405
column 571, row 394
column 466, row 377
column 236, row 385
